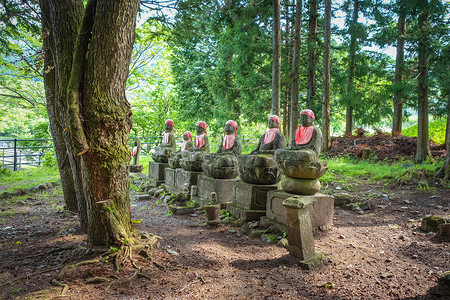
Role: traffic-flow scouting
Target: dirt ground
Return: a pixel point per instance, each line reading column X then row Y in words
column 380, row 254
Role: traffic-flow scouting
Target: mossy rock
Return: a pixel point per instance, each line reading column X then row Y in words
column 432, row 222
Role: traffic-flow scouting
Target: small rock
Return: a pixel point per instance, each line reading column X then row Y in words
column 283, row 242
column 401, row 237
column 34, row 189
column 384, row 198
column 439, row 207
column 351, row 223
column 404, row 207
column 232, row 231
column 383, row 240
column 407, row 202
column 42, row 187
column 434, row 196
column 381, row 206
column 444, row 280
column 365, row 205
column 17, row 193
column 266, row 238
column 193, row 215
column 414, row 256
column 8, row 227
column 338, row 188
column 342, row 199
column 49, row 185
column 170, row 251
column 342, row 236
column 143, row 197
column 386, row 275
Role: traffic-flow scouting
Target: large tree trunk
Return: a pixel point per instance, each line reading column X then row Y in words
column 326, row 134
column 97, row 112
column 312, row 42
column 351, row 70
column 447, row 131
column 423, row 146
column 295, row 72
column 60, row 23
column 276, row 64
column 398, row 79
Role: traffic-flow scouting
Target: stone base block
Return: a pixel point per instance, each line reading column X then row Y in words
column 224, row 188
column 156, row 172
column 321, row 212
column 169, row 176
column 185, row 178
column 252, row 196
column 313, row 262
column 244, row 214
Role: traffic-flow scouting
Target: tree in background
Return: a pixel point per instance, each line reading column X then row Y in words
column 293, row 113
column 326, row 134
column 276, row 61
column 312, row 53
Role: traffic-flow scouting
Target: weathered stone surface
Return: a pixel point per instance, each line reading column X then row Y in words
column 185, row 178
column 252, row 196
column 298, row 227
column 300, row 186
column 156, row 172
column 432, row 222
column 220, row 166
column 169, row 176
column 313, row 262
column 42, row 187
column 244, row 214
column 224, row 188
column 321, row 212
column 143, row 197
column 212, row 214
column 342, row 199
column 258, row 169
column 181, row 210
column 290, row 163
column 444, row 230
column 17, row 192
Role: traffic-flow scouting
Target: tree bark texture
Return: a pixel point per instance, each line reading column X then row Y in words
column 276, row 64
column 326, row 134
column 423, row 146
column 312, row 50
column 351, row 70
column 293, row 124
column 447, row 131
column 60, row 22
column 95, row 108
column 398, row 79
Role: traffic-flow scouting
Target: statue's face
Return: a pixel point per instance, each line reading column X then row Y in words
column 273, row 124
column 186, row 137
column 306, row 120
column 167, row 127
column 199, row 130
column 229, row 129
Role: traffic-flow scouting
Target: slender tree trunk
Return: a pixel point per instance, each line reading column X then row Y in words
column 398, row 79
column 423, row 146
column 287, row 43
column 326, row 134
column 447, row 131
column 312, row 45
column 60, row 22
column 276, row 64
column 295, row 72
column 351, row 70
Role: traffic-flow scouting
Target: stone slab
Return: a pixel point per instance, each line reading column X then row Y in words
column 156, row 172
column 252, row 196
column 224, row 188
column 184, row 178
column 169, row 176
column 321, row 212
column 244, row 214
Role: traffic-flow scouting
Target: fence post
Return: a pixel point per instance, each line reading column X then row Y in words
column 15, row 154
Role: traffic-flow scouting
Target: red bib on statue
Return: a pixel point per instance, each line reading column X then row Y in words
column 303, row 135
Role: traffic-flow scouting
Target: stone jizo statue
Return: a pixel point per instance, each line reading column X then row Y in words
column 168, row 145
column 307, row 137
column 187, row 145
column 192, row 158
column 201, row 138
column 136, row 153
column 300, row 161
column 187, row 141
column 223, row 164
column 272, row 139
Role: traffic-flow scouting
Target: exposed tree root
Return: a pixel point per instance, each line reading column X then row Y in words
column 129, row 279
column 120, row 256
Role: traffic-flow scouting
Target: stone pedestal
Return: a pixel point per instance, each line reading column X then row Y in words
column 156, row 172
column 321, row 211
column 185, row 178
column 169, row 176
column 299, row 230
column 224, row 188
column 250, row 200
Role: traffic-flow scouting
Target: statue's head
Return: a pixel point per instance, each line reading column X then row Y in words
column 274, row 121
column 231, row 127
column 187, row 136
column 200, row 127
column 307, row 117
column 169, row 125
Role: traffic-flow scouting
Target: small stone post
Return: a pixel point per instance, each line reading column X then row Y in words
column 299, row 231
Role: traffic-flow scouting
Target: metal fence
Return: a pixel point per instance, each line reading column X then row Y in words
column 17, row 154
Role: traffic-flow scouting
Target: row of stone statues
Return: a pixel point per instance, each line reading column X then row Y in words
column 299, row 162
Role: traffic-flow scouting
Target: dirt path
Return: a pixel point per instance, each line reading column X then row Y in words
column 380, row 254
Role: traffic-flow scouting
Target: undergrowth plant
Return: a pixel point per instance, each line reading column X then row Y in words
column 28, row 177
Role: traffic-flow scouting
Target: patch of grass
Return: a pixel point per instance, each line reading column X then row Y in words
column 28, row 177
column 342, row 170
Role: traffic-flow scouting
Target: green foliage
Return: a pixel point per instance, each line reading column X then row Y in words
column 436, row 131
column 49, row 160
